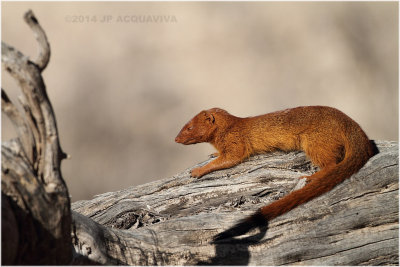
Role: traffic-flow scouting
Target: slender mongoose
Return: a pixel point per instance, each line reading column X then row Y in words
column 332, row 140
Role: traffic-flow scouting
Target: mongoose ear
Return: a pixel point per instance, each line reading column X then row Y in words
column 209, row 116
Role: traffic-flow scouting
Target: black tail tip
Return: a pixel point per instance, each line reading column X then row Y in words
column 375, row 149
column 242, row 227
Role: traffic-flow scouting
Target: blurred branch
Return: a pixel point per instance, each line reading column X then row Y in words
column 33, row 189
column 25, row 134
column 44, row 46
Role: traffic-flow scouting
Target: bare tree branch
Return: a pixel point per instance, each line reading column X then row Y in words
column 44, row 46
column 32, row 183
column 25, row 134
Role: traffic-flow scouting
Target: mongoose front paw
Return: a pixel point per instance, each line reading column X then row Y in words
column 197, row 172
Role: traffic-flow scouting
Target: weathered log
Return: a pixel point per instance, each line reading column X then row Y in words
column 35, row 202
column 172, row 221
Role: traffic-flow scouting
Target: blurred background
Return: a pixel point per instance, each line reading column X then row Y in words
column 125, row 77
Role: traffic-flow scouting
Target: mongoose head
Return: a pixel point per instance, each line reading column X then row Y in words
column 199, row 129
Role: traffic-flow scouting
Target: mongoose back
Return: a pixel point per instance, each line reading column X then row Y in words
column 332, row 140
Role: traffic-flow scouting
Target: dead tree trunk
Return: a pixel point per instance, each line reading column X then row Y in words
column 36, row 216
column 173, row 220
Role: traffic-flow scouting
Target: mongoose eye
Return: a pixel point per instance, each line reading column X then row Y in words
column 190, row 128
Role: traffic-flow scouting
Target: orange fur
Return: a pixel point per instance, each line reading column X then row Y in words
column 331, row 140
